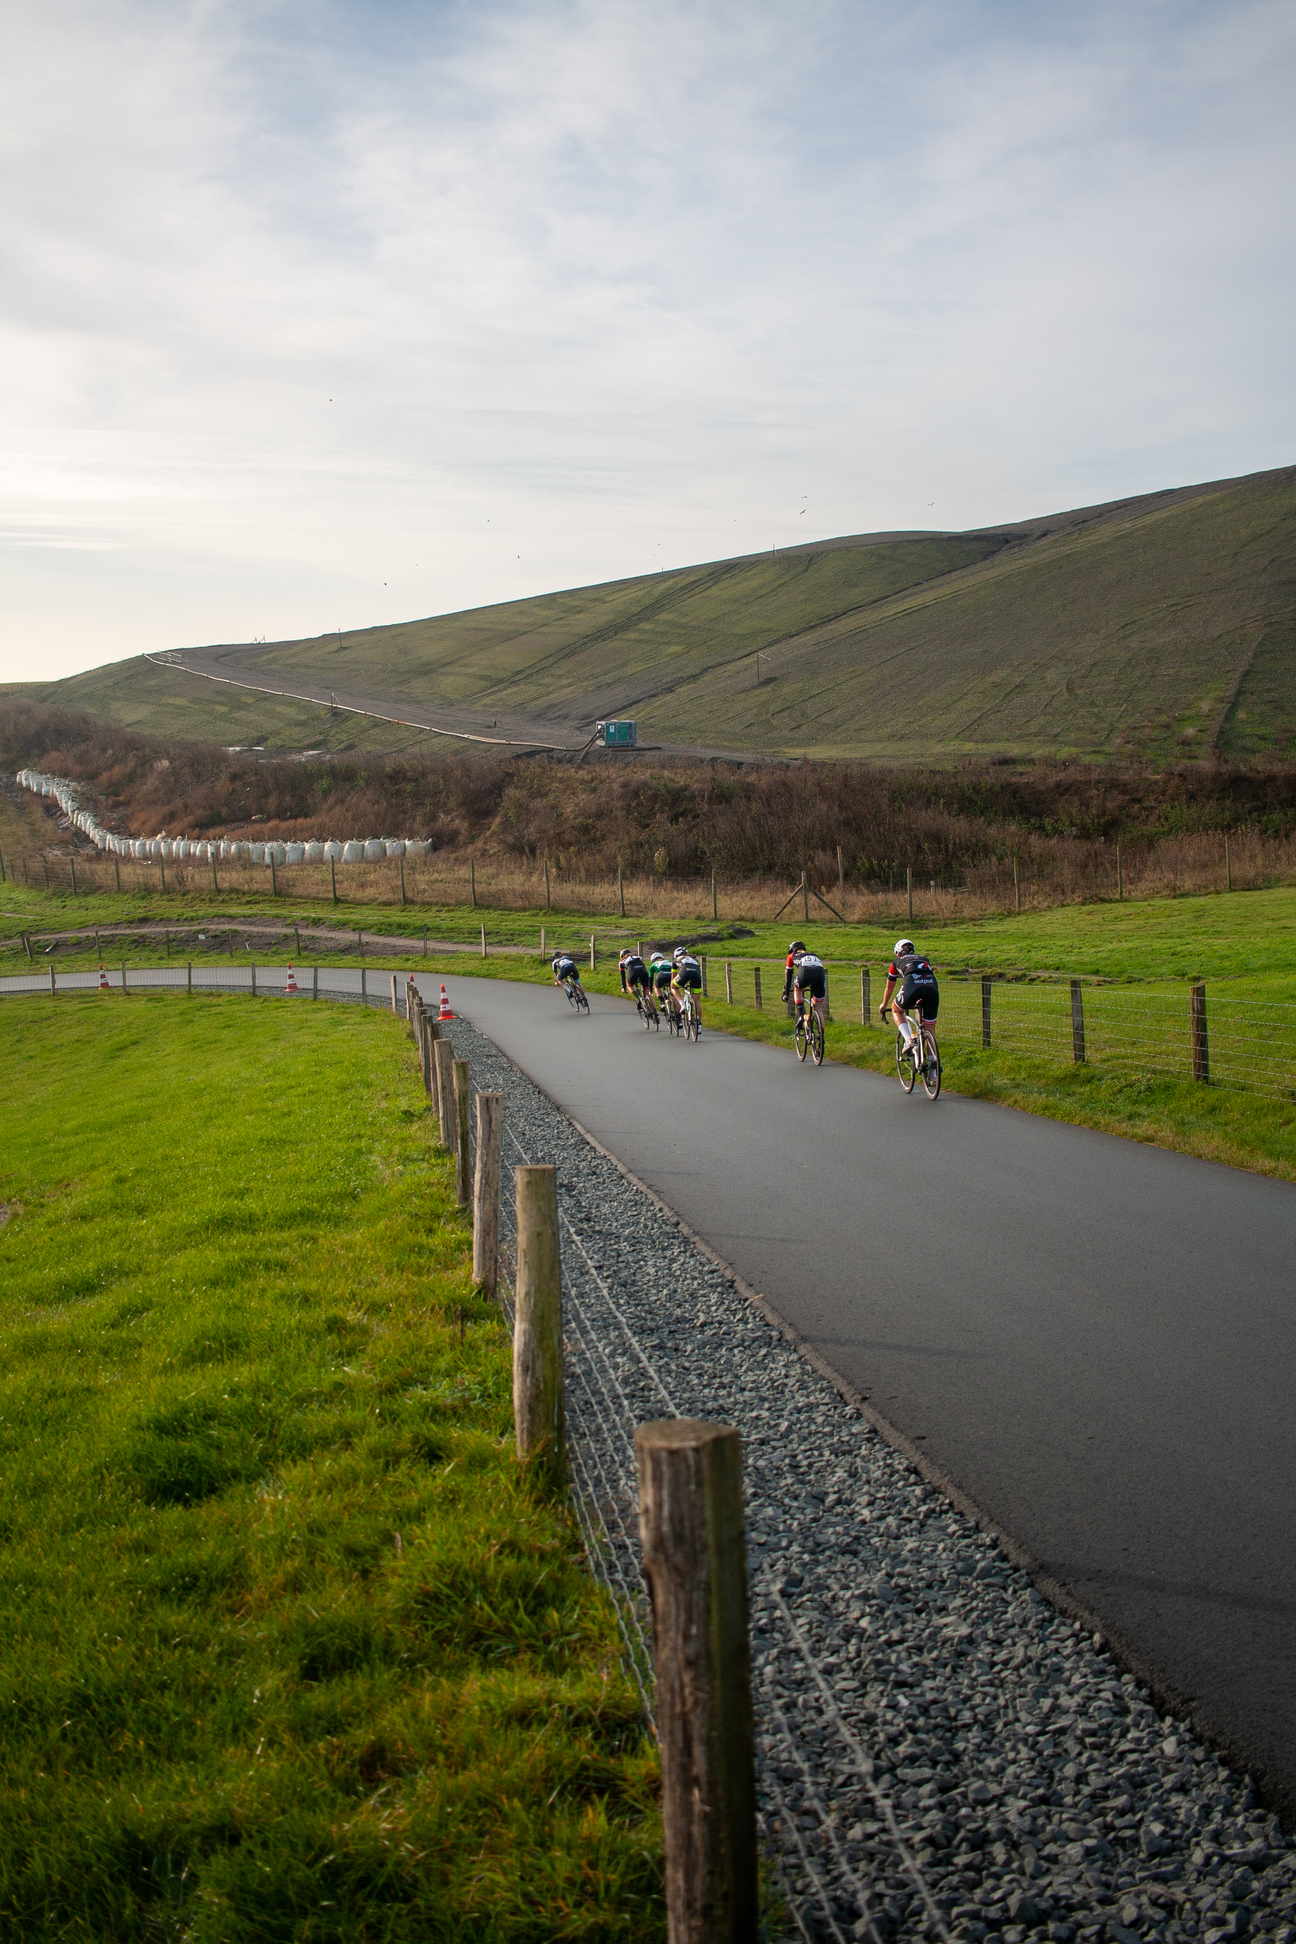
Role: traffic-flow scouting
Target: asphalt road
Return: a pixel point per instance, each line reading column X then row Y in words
column 1094, row 1340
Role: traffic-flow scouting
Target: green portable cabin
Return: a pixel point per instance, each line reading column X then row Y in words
column 617, row 735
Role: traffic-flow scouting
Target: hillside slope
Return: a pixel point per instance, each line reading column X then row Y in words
column 1163, row 623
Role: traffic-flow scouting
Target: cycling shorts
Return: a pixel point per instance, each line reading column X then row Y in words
column 567, row 972
column 923, row 999
column 637, row 975
column 812, row 979
column 691, row 977
column 661, row 980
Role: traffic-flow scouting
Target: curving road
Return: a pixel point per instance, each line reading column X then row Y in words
column 1092, row 1340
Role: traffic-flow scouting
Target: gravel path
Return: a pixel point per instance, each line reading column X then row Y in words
column 941, row 1753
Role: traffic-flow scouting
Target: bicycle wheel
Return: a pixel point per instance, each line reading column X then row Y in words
column 693, row 1023
column 582, row 999
column 802, row 1038
column 931, row 1072
column 904, row 1064
column 572, row 1000
column 817, row 1039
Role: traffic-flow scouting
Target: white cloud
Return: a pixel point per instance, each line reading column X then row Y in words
column 352, row 314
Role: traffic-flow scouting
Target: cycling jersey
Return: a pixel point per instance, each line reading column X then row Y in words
column 689, row 973
column 633, row 973
column 918, row 985
column 811, row 976
column 566, row 968
column 661, row 972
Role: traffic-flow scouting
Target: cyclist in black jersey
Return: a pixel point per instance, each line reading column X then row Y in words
column 565, row 970
column 634, row 974
column 810, row 975
column 918, row 990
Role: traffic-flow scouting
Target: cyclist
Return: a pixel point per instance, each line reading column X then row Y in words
column 809, row 975
column 634, row 975
column 566, row 971
column 661, row 972
column 918, row 992
column 687, row 977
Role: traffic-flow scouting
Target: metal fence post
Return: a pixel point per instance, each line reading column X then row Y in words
column 1077, row 1022
column 443, row 1055
column 1200, row 1041
column 757, row 985
column 987, row 988
column 728, row 982
column 486, row 1178
column 539, row 1406
column 691, row 1526
column 462, row 1152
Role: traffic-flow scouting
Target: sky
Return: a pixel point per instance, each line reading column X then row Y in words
column 323, row 315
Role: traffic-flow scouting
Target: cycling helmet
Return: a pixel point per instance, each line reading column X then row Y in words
column 903, row 945
column 797, row 945
column 679, row 955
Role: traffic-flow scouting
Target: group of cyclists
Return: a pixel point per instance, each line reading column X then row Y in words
column 675, row 984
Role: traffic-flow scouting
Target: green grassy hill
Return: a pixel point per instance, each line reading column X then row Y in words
column 1164, row 624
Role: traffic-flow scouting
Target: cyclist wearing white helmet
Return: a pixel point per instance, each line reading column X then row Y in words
column 918, row 992
column 565, row 969
column 687, row 977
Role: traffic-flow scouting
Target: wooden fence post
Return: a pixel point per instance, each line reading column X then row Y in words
column 123, row 974
column 315, row 980
column 483, row 936
column 401, row 862
column 543, row 953
column 486, row 1178
column 728, row 982
column 592, row 956
column 333, row 877
column 443, row 1054
column 987, row 987
column 364, row 985
column 72, row 867
column 756, row 983
column 462, row 1151
column 866, row 997
column 539, row 1407
column 54, row 987
column 1200, row 1041
column 1077, row 1022
column 117, row 873
column 691, row 1527
column 252, row 969
column 703, row 964
column 274, row 888
column 395, row 997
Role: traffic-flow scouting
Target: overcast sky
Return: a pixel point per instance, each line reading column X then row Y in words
column 320, row 315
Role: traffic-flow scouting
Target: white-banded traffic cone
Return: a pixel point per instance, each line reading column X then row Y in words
column 445, row 1012
column 103, row 979
column 292, row 982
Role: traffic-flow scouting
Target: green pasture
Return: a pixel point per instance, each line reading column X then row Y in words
column 1165, row 629
column 292, row 1648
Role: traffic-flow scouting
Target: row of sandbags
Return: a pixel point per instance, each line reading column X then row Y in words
column 356, row 850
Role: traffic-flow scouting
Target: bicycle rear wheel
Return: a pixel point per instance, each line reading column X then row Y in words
column 904, row 1064
column 801, row 1037
column 817, row 1039
column 931, row 1073
column 693, row 1024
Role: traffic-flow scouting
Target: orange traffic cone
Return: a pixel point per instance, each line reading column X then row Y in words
column 103, row 979
column 445, row 1012
column 292, row 982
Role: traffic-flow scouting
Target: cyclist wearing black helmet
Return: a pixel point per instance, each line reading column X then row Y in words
column 918, row 992
column 806, row 973
column 794, row 951
column 634, row 974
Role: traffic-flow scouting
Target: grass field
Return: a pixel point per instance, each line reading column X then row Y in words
column 291, row 1648
column 1166, row 629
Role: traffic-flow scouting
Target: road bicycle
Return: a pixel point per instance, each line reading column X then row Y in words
column 810, row 1033
column 920, row 1059
column 647, row 1011
column 576, row 995
column 690, row 1019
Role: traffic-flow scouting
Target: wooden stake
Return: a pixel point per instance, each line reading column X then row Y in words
column 728, row 982
column 691, row 1527
column 72, row 867
column 1077, row 1023
column 395, row 993
column 1200, row 1039
column 462, row 1151
column 215, row 885
column 401, row 862
column 592, row 959
column 443, row 1054
column 866, row 997
column 987, row 988
column 117, row 873
column 539, row 1409
column 483, row 933
column 333, row 877
column 757, row 984
column 486, row 1179
column 702, row 962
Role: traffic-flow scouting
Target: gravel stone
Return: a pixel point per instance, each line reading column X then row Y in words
column 940, row 1752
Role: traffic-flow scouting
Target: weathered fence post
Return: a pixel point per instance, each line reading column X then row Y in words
column 1200, row 1041
column 443, row 1054
column 543, row 953
column 987, row 988
column 315, row 981
column 364, row 985
column 274, row 888
column 189, row 975
column 1077, row 1022
column 728, row 982
column 252, row 969
column 123, row 974
column 757, row 985
column 333, row 877
column 539, row 1407
column 401, row 862
column 866, row 996
column 593, row 960
column 691, row 1527
column 462, row 1150
column 704, row 974
column 395, row 998
column 53, row 986
column 486, row 1177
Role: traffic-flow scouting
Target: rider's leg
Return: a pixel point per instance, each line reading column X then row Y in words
column 901, row 1020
